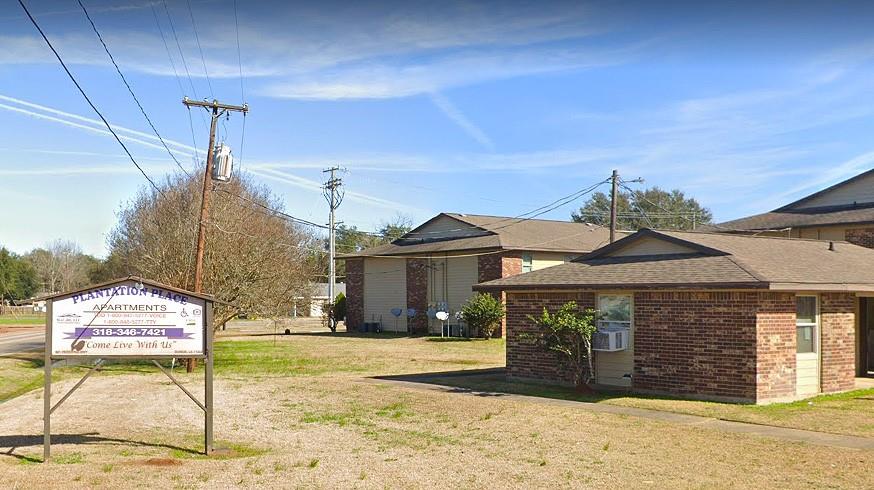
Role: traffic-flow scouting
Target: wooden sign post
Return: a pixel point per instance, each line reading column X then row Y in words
column 130, row 318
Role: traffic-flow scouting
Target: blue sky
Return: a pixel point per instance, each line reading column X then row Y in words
column 478, row 107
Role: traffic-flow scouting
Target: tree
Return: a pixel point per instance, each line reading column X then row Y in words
column 649, row 208
column 61, row 266
column 390, row 231
column 568, row 332
column 17, row 277
column 254, row 260
column 350, row 239
column 483, row 312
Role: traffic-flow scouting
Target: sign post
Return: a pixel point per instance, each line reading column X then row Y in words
column 129, row 318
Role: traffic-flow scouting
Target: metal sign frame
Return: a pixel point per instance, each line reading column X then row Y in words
column 207, row 356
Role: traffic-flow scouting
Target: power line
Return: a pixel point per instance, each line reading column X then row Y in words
column 275, row 212
column 87, row 99
column 239, row 57
column 182, row 56
column 129, row 89
column 197, row 38
column 167, row 48
column 562, row 201
column 242, row 88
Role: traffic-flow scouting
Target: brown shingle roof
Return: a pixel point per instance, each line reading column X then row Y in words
column 725, row 261
column 497, row 232
column 801, row 218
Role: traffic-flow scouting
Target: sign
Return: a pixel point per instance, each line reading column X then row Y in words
column 128, row 319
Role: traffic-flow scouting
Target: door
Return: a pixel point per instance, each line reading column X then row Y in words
column 866, row 337
column 807, row 345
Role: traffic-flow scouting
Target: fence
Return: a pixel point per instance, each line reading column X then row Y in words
column 18, row 311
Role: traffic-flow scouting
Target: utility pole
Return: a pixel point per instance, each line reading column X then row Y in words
column 613, row 204
column 334, row 196
column 217, row 110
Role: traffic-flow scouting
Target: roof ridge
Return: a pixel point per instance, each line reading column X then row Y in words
column 743, row 235
column 521, row 219
column 746, row 268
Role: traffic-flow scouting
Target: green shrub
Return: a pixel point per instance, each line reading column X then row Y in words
column 340, row 307
column 568, row 332
column 483, row 312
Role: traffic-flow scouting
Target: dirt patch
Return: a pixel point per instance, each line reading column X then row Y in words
column 159, row 462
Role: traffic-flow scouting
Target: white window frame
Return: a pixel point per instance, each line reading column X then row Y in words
column 530, row 265
column 629, row 322
column 816, row 327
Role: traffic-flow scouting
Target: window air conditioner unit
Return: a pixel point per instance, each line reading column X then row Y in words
column 610, row 339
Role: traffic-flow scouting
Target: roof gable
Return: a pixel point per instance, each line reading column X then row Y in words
column 648, row 242
column 851, row 192
column 442, row 227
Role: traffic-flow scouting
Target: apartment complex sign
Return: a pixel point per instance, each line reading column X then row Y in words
column 128, row 319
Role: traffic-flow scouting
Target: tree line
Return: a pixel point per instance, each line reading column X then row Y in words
column 58, row 266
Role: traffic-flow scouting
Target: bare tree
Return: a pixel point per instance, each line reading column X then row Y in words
column 60, row 266
column 254, row 260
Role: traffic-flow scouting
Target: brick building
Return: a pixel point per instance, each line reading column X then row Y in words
column 434, row 266
column 707, row 315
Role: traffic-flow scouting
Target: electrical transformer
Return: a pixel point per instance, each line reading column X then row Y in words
column 222, row 163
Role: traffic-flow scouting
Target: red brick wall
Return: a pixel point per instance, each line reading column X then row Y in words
column 511, row 265
column 860, row 236
column 354, row 293
column 700, row 343
column 734, row 345
column 417, row 294
column 838, row 319
column 525, row 360
column 496, row 266
column 776, row 347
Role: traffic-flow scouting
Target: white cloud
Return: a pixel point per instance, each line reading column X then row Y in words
column 353, row 51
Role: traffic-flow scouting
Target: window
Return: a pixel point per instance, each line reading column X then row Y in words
column 527, row 262
column 615, row 310
column 805, row 323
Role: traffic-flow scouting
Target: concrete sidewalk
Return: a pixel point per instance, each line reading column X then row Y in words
column 783, row 433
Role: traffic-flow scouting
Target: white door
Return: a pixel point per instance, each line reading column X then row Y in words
column 807, row 347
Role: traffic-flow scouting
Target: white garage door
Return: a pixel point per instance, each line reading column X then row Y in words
column 385, row 288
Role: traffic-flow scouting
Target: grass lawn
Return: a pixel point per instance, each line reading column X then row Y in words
column 22, row 320
column 850, row 413
column 305, row 412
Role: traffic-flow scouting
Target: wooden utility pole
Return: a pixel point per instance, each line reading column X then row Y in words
column 217, row 110
column 613, row 204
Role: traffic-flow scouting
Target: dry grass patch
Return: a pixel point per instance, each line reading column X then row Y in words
column 843, row 413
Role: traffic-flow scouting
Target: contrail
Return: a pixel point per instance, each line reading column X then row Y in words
column 452, row 112
column 85, row 127
column 317, row 186
column 95, row 122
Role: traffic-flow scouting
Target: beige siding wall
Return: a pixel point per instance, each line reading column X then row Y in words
column 445, row 226
column 807, row 369
column 385, row 287
column 859, row 191
column 821, row 233
column 450, row 280
column 651, row 246
column 542, row 260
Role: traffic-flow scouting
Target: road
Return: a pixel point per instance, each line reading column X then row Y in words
column 29, row 340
